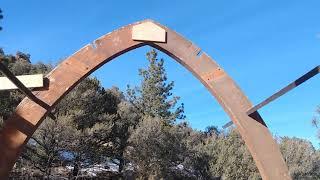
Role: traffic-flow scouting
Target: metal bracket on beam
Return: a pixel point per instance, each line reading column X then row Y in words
column 24, row 89
column 283, row 91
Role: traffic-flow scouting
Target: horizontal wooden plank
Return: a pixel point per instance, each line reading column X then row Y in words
column 30, row 81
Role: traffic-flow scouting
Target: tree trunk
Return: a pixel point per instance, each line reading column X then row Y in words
column 75, row 170
column 121, row 164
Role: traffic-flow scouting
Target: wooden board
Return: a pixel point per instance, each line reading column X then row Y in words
column 30, row 81
column 148, row 31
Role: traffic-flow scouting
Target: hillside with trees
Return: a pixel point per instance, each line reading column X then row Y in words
column 137, row 134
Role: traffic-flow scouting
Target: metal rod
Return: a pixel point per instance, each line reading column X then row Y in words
column 24, row 89
column 283, row 91
column 227, row 125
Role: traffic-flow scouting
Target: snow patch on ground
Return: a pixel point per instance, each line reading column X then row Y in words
column 100, row 168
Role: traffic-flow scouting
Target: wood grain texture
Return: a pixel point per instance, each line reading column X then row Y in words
column 148, row 31
column 30, row 81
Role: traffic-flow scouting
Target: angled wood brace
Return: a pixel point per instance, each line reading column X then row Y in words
column 29, row 115
column 313, row 72
column 17, row 84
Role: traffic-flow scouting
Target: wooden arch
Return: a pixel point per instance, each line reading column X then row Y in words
column 29, row 115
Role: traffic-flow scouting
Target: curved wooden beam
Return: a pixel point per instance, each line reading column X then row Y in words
column 29, row 115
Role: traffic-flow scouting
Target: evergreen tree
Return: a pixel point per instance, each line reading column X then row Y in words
column 154, row 97
column 46, row 148
column 301, row 157
column 229, row 157
column 156, row 148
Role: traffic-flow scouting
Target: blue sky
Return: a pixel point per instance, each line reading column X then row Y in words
column 263, row 45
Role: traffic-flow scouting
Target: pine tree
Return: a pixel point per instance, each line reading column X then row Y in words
column 155, row 146
column 154, row 96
